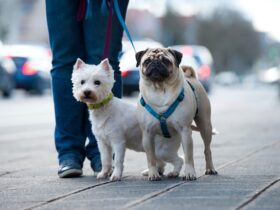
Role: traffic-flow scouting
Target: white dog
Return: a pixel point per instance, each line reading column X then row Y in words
column 114, row 122
column 167, row 106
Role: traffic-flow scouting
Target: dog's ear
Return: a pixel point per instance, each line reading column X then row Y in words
column 139, row 56
column 177, row 55
column 79, row 63
column 105, row 64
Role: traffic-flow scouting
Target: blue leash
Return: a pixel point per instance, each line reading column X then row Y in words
column 162, row 117
column 105, row 6
column 122, row 22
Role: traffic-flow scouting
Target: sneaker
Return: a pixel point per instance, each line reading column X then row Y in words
column 95, row 164
column 70, row 168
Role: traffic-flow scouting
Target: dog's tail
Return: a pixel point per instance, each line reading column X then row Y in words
column 214, row 131
column 189, row 72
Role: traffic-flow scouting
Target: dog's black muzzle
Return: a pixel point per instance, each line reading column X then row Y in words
column 156, row 71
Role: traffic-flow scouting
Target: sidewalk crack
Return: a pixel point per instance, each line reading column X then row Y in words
column 153, row 195
column 68, row 195
column 256, row 195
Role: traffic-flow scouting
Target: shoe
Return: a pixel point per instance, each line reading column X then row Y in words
column 95, row 164
column 70, row 168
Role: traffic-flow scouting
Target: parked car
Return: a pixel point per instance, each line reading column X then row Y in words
column 7, row 72
column 203, row 59
column 189, row 60
column 270, row 75
column 227, row 78
column 33, row 64
column 130, row 73
column 278, row 87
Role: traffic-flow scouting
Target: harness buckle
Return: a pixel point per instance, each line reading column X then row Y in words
column 162, row 118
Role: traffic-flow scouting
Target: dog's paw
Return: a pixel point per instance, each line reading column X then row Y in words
column 116, row 175
column 173, row 174
column 154, row 178
column 189, row 177
column 161, row 171
column 211, row 172
column 102, row 175
column 154, row 175
column 145, row 172
column 114, row 178
column 110, row 172
column 190, row 174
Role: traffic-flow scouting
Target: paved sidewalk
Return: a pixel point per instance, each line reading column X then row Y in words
column 245, row 153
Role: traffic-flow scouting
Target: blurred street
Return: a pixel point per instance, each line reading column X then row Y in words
column 245, row 153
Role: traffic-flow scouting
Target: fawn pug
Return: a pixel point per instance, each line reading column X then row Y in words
column 170, row 99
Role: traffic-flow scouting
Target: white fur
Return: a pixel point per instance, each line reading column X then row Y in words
column 115, row 125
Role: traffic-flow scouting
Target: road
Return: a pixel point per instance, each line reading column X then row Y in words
column 245, row 153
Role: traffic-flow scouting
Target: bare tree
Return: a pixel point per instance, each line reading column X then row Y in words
column 231, row 38
column 173, row 28
column 9, row 11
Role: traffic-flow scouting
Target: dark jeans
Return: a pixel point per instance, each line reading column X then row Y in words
column 70, row 40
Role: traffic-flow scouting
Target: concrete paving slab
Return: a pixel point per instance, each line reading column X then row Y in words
column 245, row 152
column 267, row 200
column 233, row 186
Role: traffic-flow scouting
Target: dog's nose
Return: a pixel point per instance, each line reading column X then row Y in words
column 87, row 93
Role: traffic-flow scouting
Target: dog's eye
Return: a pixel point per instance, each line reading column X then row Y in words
column 82, row 82
column 147, row 61
column 97, row 82
column 166, row 61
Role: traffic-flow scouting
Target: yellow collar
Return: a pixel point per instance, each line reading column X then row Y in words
column 101, row 103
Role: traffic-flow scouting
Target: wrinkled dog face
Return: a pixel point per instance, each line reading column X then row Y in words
column 158, row 64
column 92, row 83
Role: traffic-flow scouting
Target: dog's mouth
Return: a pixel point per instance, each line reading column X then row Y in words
column 88, row 97
column 156, row 70
column 87, row 100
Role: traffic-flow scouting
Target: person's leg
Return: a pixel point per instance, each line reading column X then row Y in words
column 92, row 151
column 94, row 35
column 66, row 40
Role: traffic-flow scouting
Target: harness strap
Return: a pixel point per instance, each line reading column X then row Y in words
column 162, row 117
column 193, row 89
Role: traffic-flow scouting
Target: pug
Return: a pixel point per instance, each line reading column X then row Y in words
column 162, row 84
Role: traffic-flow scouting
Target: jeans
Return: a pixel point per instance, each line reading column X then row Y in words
column 69, row 40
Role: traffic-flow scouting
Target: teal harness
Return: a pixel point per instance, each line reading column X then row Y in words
column 162, row 117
